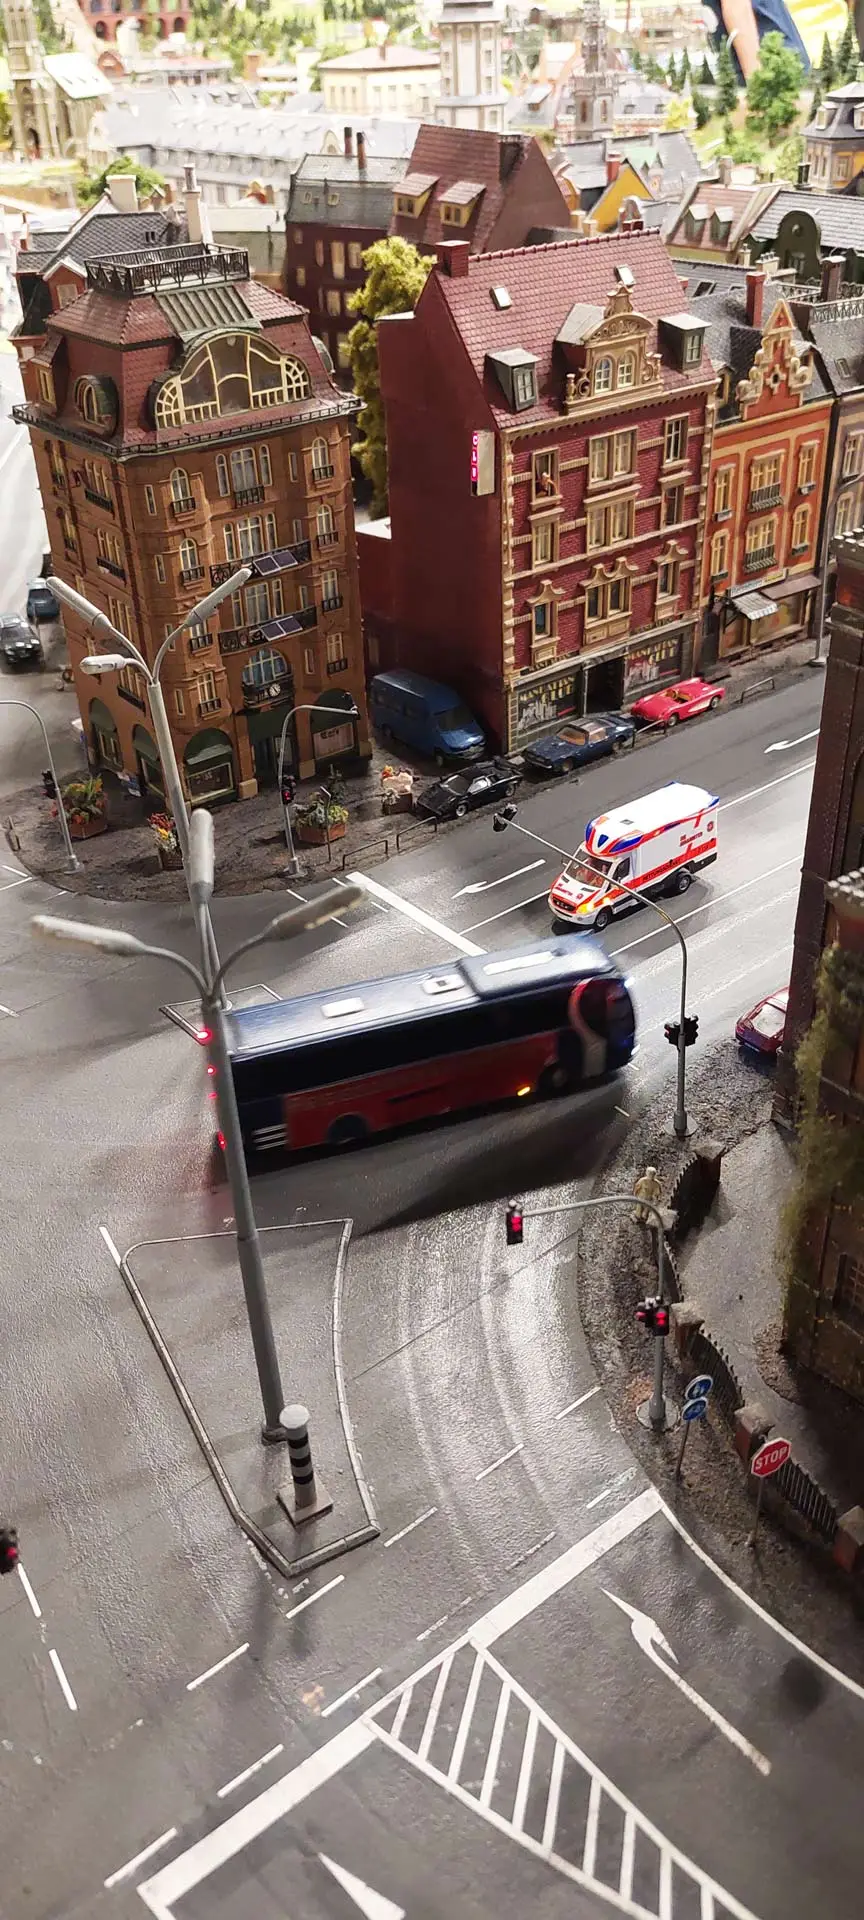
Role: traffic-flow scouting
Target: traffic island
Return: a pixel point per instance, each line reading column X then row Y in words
column 189, row 1294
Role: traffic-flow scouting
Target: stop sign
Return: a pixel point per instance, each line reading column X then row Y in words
column 770, row 1457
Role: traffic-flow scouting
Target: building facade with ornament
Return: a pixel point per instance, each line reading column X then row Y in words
column 548, row 416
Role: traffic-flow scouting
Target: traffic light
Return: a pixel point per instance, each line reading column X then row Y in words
column 672, row 1031
column 653, row 1315
column 288, row 789
column 503, row 817
column 645, row 1314
column 514, row 1224
column 8, row 1549
column 691, row 1029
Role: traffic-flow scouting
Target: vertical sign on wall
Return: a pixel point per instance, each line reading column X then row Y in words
column 482, row 462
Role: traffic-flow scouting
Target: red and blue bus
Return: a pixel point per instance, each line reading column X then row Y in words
column 333, row 1069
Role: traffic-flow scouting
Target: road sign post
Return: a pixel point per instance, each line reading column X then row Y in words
column 768, row 1459
column 695, row 1408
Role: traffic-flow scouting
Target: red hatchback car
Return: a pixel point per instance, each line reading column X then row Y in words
column 680, row 702
column 762, row 1030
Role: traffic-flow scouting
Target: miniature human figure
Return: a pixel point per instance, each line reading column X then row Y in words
column 647, row 1187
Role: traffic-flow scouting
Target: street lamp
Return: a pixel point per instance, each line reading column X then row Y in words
column 852, row 480
column 341, row 713
column 127, row 654
column 506, row 818
column 71, row 855
column 209, row 984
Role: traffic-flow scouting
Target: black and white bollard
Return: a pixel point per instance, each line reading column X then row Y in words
column 306, row 1499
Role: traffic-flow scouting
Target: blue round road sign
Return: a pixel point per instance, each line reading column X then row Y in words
column 694, row 1409
column 700, row 1387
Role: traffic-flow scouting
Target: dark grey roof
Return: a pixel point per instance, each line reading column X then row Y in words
column 102, row 232
column 731, row 342
column 840, row 221
column 330, row 190
column 840, row 104
column 839, row 344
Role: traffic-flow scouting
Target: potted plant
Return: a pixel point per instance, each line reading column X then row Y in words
column 320, row 820
column 167, row 842
column 84, row 802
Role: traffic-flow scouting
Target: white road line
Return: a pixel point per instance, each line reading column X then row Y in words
column 301, row 896
column 628, row 1856
column 352, row 1692
column 490, row 1770
column 124, row 1873
column 420, row 919
column 310, row 1602
column 553, row 1798
column 9, row 1012
column 410, row 1528
column 714, row 900
column 461, row 1741
column 402, row 1712
column 620, row 1482
column 65, row 1688
column 578, row 1403
column 240, row 1779
column 337, row 881
column 29, row 1592
column 485, row 886
column 428, row 1631
column 7, row 885
column 500, row 1463
column 549, row 1580
column 431, row 1720
column 517, row 908
column 521, row 1801
column 220, row 1664
column 589, row 1852
column 115, row 1255
column 739, row 798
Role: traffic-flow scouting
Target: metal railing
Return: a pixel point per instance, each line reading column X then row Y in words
column 323, row 473
column 210, row 706
column 110, row 566
column 755, row 561
column 333, row 601
column 336, row 666
column 174, row 266
column 188, row 575
column 97, row 499
column 188, row 504
column 760, row 497
column 248, row 496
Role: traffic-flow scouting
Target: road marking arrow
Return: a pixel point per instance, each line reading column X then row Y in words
column 652, row 1642
column 369, row 1902
column 484, row 886
column 783, row 746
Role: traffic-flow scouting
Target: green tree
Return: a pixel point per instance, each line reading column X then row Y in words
column 787, row 157
column 701, row 107
column 727, row 83
column 846, row 54
column 672, row 80
column 5, row 122
column 706, row 73
column 773, row 90
column 635, row 59
column 827, row 69
column 684, row 72
column 818, row 97
column 676, row 119
column 395, row 277
column 90, row 187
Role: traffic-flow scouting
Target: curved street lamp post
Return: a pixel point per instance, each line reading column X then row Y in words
column 71, row 855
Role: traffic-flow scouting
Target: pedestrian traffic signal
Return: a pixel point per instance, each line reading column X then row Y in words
column 288, row 789
column 672, row 1031
column 503, row 817
column 661, row 1319
column 514, row 1224
column 8, row 1549
column 653, row 1315
column 691, row 1029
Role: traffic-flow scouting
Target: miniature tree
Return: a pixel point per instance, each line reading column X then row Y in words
column 727, row 84
column 846, row 54
column 706, row 73
column 701, row 107
column 395, row 277
column 672, row 81
column 91, row 187
column 684, row 72
column 635, row 59
column 827, row 68
column 773, row 90
column 818, row 97
column 676, row 119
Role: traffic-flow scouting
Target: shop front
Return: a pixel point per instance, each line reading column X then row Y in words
column 209, row 767
column 765, row 616
column 332, row 738
column 595, row 682
column 151, row 779
column 653, row 663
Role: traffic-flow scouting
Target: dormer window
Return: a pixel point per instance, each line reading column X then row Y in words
column 458, row 202
column 413, row 192
column 683, row 335
column 822, row 116
column 516, row 374
column 524, row 386
column 626, row 371
column 721, row 224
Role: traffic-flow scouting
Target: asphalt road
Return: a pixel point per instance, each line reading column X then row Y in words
column 156, row 1678
column 23, row 540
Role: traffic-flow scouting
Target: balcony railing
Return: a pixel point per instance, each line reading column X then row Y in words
column 306, row 617
column 133, row 698
column 332, row 603
column 337, row 666
column 210, row 706
column 323, row 473
column 188, row 574
column 186, row 504
column 97, row 499
column 111, row 566
column 761, row 497
column 278, row 560
column 326, row 539
column 761, row 557
column 280, row 688
column 148, row 269
column 248, row 496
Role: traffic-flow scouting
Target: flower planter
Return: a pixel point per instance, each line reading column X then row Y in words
column 310, row 836
column 88, row 829
column 170, row 859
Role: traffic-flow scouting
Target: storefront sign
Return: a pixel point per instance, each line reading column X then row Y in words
column 482, row 462
column 657, row 660
column 544, row 704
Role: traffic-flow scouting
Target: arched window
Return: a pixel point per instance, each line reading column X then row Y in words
column 188, row 556
column 92, row 398
column 222, row 480
column 324, row 525
column 603, row 375
column 627, row 370
column 233, row 373
column 263, row 667
column 322, row 465
column 180, row 490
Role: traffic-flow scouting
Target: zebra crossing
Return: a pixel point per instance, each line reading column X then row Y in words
column 469, row 1726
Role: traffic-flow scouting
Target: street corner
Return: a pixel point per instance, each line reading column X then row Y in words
column 189, row 1292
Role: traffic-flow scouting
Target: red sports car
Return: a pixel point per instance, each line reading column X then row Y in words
column 678, row 703
column 763, row 1029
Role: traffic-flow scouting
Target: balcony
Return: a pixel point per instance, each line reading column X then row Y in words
column 760, row 558
column 262, row 564
column 324, row 540
column 320, row 474
column 209, row 706
column 111, row 566
column 337, row 666
column 133, row 698
column 762, row 497
column 188, row 575
column 306, row 617
column 269, row 695
column 248, row 496
column 329, row 606
column 96, row 499
column 188, row 504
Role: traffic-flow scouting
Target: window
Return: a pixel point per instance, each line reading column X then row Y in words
column 623, row 452
column 544, row 474
column 222, row 480
column 309, row 662
column 723, row 490
column 595, row 528
column 150, row 500
column 335, row 649
column 842, row 166
column 298, row 236
column 188, row 557
column 302, row 595
column 673, row 506
column 626, row 370
column 119, row 613
column 205, row 693
column 198, row 636
column 325, row 529
column 675, row 439
column 543, row 543
column 334, row 302
column 300, row 276
column 543, row 616
column 330, row 595
column 159, row 565
column 692, row 349
column 257, row 597
column 800, row 529
column 719, row 554
column 524, row 386
column 599, row 457
column 298, row 532
column 607, row 599
column 264, row 468
column 180, row 492
column 852, row 455
column 849, row 1292
column 603, row 375
column 760, row 540
column 319, row 253
column 322, row 465
column 179, row 703
column 292, row 466
column 667, row 580
column 46, row 386
column 263, row 667
column 620, row 521
column 355, row 256
column 843, row 514
column 67, row 527
column 109, row 548
column 232, row 373
column 337, row 259
column 128, row 679
column 94, row 402
column 244, row 469
column 765, row 472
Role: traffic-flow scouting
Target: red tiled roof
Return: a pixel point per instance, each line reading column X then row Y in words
column 450, row 154
column 742, row 203
column 543, row 284
column 117, row 323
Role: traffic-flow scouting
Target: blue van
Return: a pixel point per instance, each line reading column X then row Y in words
column 422, row 713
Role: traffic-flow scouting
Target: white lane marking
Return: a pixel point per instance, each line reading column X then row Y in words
column 337, row 881
column 613, row 1488
column 352, row 1692
column 124, row 1873
column 301, row 896
column 435, row 1707
column 65, row 1688
column 754, row 792
column 375, row 1906
column 530, row 902
column 652, row 1642
column 115, row 1255
column 9, row 1012
column 319, row 1595
column 782, row 746
column 427, row 1631
column 7, row 885
column 500, row 1463
column 220, row 1664
column 549, row 1580
column 578, row 1403
column 714, row 900
column 29, row 1592
column 240, row 1779
column 421, row 919
column 410, row 1528
column 485, row 886
column 528, row 1554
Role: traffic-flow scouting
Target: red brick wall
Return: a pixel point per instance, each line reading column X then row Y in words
column 533, row 199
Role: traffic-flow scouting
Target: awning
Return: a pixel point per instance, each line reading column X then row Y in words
column 794, row 583
column 754, row 606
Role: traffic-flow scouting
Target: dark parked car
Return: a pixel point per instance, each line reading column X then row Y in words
column 41, row 602
column 19, row 645
column 578, row 742
column 458, row 793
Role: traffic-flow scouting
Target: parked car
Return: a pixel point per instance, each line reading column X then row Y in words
column 42, row 604
column 762, row 1030
column 422, row 713
column 681, row 702
column 19, row 645
column 459, row 793
column 578, row 742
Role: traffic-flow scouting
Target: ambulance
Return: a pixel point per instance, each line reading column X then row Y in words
column 656, row 844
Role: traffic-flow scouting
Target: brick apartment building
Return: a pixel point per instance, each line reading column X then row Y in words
column 182, row 423
column 339, row 205
column 548, row 431
column 768, row 462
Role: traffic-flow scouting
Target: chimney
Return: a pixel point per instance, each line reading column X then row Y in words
column 613, row 167
column 361, row 153
column 724, row 169
column 197, row 218
column 832, row 275
column 348, row 142
column 453, row 257
column 123, row 192
column 755, row 296
column 803, row 173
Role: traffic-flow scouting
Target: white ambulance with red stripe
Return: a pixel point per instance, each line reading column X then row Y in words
column 656, row 844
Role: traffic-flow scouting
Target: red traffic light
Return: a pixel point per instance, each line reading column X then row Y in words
column 645, row 1314
column 514, row 1224
column 661, row 1318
